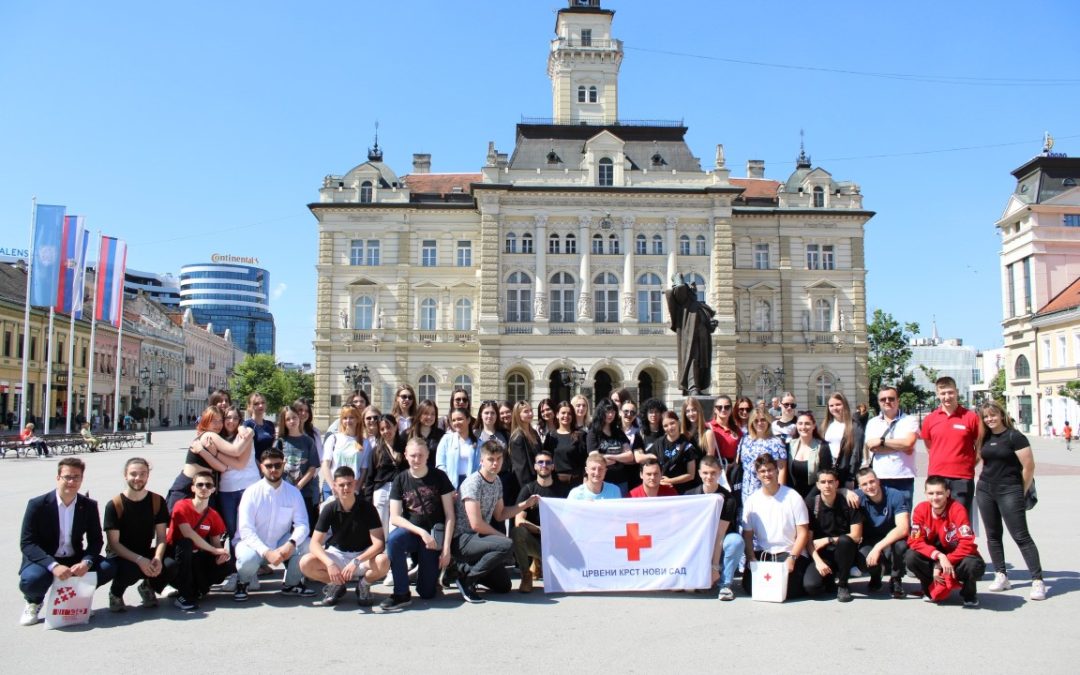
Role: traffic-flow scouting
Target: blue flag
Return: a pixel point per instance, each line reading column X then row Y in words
column 47, row 256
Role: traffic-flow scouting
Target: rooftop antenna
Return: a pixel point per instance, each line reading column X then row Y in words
column 375, row 153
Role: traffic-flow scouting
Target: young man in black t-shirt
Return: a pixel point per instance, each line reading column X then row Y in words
column 728, row 549
column 835, row 532
column 135, row 524
column 526, row 532
column 422, row 513
column 346, row 544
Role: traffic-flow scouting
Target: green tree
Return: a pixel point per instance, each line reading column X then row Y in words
column 997, row 387
column 889, row 352
column 301, row 385
column 259, row 372
column 1070, row 389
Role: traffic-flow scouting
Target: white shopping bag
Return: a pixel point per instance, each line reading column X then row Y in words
column 68, row 602
column 769, row 581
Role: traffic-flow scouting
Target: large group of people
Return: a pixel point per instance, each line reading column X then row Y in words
column 412, row 497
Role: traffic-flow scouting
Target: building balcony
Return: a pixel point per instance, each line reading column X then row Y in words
column 516, row 329
column 189, row 388
column 764, row 337
column 591, row 43
column 189, row 360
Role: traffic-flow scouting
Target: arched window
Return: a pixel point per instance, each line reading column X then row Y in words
column 427, row 314
column 598, row 244
column 425, row 389
column 519, row 298
column 571, row 243
column 364, row 313
column 684, row 245
column 517, row 388
column 699, row 282
column 613, row 244
column 823, row 389
column 648, row 298
column 1022, row 368
column 657, row 245
column 562, row 298
column 606, row 298
column 699, row 245
column 511, row 242
column 581, row 94
column 640, row 245
column 553, row 243
column 463, row 314
column 605, row 176
column 762, row 315
column 819, row 196
column 464, row 382
column 365, row 192
column 526, row 243
column 593, row 94
column 822, row 315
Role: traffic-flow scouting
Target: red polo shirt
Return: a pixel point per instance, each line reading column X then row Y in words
column 950, row 442
column 664, row 491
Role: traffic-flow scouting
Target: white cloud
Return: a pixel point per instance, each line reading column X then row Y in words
column 278, row 291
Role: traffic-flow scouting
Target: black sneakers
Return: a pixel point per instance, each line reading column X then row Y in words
column 468, row 591
column 241, row 592
column 897, row 588
column 395, row 602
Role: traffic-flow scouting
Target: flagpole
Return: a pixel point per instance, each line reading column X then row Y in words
column 26, row 319
column 93, row 329
column 48, row 371
column 70, row 373
column 77, row 291
column 119, row 367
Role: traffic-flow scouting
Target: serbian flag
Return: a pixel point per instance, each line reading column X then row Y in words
column 109, row 286
column 46, row 258
column 69, row 297
column 652, row 544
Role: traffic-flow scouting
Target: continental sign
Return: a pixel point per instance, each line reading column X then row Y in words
column 224, row 258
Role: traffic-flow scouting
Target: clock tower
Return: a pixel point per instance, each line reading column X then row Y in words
column 584, row 65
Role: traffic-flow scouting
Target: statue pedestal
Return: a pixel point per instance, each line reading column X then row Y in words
column 706, row 401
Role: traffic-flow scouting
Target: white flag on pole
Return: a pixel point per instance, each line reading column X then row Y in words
column 663, row 543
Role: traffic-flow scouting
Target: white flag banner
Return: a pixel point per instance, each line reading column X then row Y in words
column 663, row 543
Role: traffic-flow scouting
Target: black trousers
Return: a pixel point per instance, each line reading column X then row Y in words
column 196, row 570
column 891, row 560
column 795, row 588
column 963, row 491
column 1006, row 502
column 968, row 571
column 841, row 557
column 129, row 574
column 482, row 558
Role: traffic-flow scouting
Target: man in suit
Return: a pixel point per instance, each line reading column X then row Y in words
column 61, row 538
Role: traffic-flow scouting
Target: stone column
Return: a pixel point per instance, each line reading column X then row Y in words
column 584, row 308
column 540, row 309
column 628, row 314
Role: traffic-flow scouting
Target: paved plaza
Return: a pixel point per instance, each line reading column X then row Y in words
column 656, row 632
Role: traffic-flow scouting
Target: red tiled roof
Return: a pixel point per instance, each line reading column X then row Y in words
column 440, row 183
column 756, row 188
column 1067, row 299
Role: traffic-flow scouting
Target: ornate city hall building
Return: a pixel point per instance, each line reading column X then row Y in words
column 545, row 271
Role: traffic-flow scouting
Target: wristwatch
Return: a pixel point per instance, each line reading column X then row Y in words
column 715, row 568
column 294, row 544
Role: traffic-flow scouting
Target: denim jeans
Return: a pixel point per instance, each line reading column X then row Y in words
column 1006, row 502
column 399, row 546
column 734, row 547
column 248, row 561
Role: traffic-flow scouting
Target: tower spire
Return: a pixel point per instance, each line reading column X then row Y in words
column 803, row 160
column 374, row 153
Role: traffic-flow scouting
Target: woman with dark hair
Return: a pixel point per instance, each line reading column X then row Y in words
column 606, row 437
column 386, row 464
column 677, row 454
column 459, row 398
column 221, row 399
column 743, row 407
column 1008, row 475
column 808, row 453
column 695, row 428
column 725, row 430
column 620, row 397
column 425, row 427
column 489, row 427
column 545, row 419
column 303, row 409
column 301, row 459
column 404, row 408
column 845, row 436
column 209, row 451
column 458, row 454
column 651, row 414
column 506, row 415
column 568, row 447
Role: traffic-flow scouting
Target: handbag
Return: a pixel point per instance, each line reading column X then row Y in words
column 769, row 580
column 1031, row 497
column 68, row 602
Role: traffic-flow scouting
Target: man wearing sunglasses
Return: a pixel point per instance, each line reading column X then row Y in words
column 526, row 532
column 273, row 529
column 195, row 540
column 890, row 444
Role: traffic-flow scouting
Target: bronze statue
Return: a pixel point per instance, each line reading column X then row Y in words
column 693, row 324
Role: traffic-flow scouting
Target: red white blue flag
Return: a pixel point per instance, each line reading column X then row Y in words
column 109, row 286
column 71, row 275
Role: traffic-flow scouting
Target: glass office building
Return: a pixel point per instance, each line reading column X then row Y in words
column 231, row 296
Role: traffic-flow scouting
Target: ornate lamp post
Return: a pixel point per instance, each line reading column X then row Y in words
column 148, row 379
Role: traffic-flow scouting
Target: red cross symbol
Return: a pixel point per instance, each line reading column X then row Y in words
column 768, row 577
column 633, row 542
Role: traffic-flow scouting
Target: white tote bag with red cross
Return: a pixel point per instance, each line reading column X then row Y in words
column 769, row 580
column 68, row 602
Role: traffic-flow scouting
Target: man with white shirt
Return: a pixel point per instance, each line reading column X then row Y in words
column 890, row 443
column 776, row 524
column 273, row 528
column 61, row 538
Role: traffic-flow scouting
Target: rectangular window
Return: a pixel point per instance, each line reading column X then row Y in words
column 428, row 253
column 1046, row 352
column 527, row 244
column 464, row 254
column 586, row 37
column 60, row 352
column 649, row 306
column 82, row 360
column 1062, row 346
column 356, row 252
column 1071, row 219
column 761, row 256
column 562, row 306
column 518, row 305
column 1010, row 274
column 1027, row 285
column 813, row 257
column 7, row 343
column 607, row 306
column 33, row 348
column 597, row 245
column 571, row 244
column 374, row 255
column 828, row 257
column 640, row 246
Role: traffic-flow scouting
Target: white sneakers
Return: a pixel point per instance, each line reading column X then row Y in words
column 1000, row 583
column 1038, row 590
column 30, row 614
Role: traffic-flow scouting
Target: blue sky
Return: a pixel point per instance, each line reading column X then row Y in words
column 197, row 128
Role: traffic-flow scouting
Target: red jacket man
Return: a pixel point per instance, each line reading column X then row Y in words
column 941, row 546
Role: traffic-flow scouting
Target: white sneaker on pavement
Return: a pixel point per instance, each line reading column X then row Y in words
column 1000, row 583
column 1038, row 590
column 30, row 614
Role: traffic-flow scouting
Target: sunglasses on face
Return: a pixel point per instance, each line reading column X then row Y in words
column 276, row 466
column 788, row 405
column 629, row 412
column 405, row 397
column 886, row 399
column 207, row 486
column 544, row 462
column 723, row 407
column 371, row 419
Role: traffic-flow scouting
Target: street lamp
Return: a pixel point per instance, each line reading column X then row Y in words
column 357, row 376
column 148, row 380
column 572, row 377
